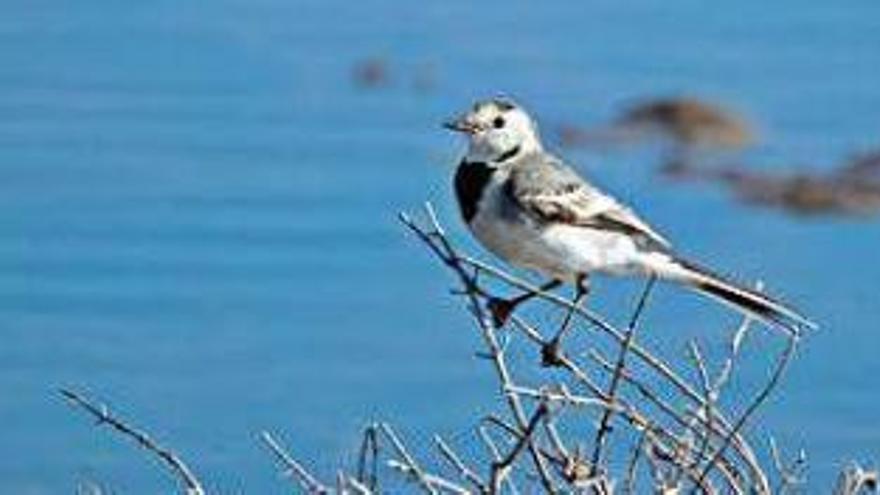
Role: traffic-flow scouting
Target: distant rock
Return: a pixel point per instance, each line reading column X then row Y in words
column 797, row 193
column 689, row 121
column 371, row 73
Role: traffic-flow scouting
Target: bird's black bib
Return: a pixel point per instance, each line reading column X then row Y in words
column 471, row 179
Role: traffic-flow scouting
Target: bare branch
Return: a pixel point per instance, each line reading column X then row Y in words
column 494, row 453
column 501, row 469
column 441, row 247
column 463, row 470
column 369, row 454
column 407, row 460
column 625, row 346
column 191, row 484
column 357, row 486
column 563, row 396
column 629, row 481
column 436, row 482
column 292, row 468
column 854, row 480
column 791, row 474
column 778, row 372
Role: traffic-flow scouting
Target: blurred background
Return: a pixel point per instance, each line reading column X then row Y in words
column 198, row 214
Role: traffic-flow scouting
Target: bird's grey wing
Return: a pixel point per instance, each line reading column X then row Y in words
column 550, row 192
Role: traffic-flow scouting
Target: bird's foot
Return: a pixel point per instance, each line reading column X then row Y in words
column 500, row 310
column 551, row 353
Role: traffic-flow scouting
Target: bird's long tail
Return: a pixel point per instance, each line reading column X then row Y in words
column 748, row 301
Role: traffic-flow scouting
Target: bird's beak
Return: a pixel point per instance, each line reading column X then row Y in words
column 461, row 124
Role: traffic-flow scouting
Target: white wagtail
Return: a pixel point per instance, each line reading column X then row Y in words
column 532, row 210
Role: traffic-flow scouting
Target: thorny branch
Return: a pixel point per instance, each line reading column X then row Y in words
column 602, row 431
column 292, row 468
column 463, row 470
column 763, row 395
column 791, row 474
column 102, row 414
column 408, row 462
column 501, row 469
column 369, row 454
column 437, row 241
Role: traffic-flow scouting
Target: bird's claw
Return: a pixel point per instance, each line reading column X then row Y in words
column 500, row 310
column 551, row 354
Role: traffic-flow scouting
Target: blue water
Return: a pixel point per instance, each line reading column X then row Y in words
column 197, row 215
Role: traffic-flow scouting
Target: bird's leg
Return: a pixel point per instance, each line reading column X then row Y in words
column 502, row 308
column 551, row 351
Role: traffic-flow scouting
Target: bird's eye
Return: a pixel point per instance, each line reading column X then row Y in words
column 498, row 123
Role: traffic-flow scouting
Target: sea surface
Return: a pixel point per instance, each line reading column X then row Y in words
column 198, row 208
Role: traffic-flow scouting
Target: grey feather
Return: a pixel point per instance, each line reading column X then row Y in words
column 552, row 192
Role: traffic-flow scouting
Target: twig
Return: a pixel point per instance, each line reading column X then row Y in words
column 640, row 423
column 103, row 415
column 790, row 475
column 629, row 481
column 441, row 247
column 501, row 469
column 762, row 396
column 562, row 396
column 736, row 341
column 432, row 480
column 292, row 468
column 602, row 432
column 408, row 461
column 854, row 480
column 517, row 434
column 369, row 450
column 358, row 487
column 555, row 440
column 494, row 453
column 710, row 396
column 463, row 470
column 638, row 420
column 729, row 471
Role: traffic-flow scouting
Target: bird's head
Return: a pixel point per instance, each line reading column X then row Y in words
column 497, row 129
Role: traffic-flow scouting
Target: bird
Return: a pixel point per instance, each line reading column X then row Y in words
column 535, row 212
